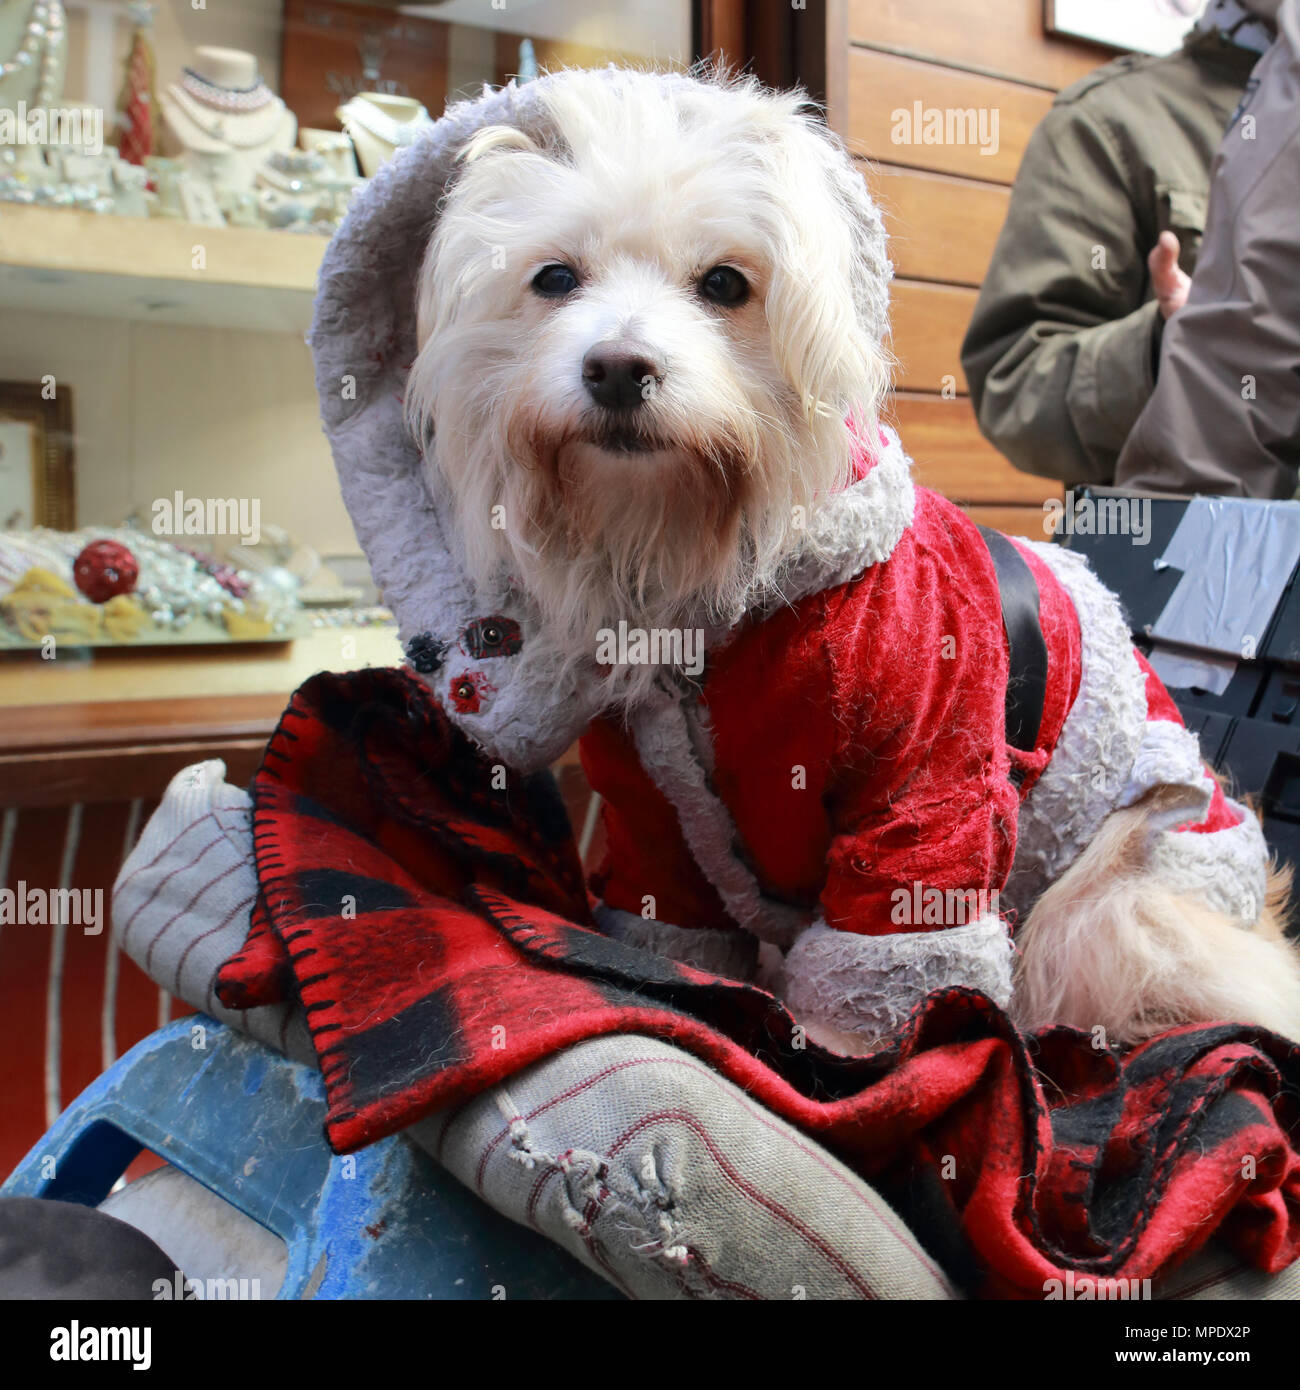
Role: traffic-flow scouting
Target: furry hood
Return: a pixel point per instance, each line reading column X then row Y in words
column 482, row 650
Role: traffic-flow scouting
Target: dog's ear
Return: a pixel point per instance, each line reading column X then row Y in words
column 494, row 141
column 453, row 266
column 828, row 303
column 496, row 137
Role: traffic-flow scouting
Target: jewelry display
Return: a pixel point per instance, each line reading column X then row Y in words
column 166, row 176
column 295, row 191
column 375, row 616
column 215, row 122
column 131, row 195
column 40, row 48
column 227, row 99
column 57, row 583
column 366, row 113
column 301, row 192
column 381, row 125
column 38, row 184
column 199, row 202
column 234, row 146
column 292, row 171
column 334, row 148
column 223, row 119
column 76, row 167
column 240, row 209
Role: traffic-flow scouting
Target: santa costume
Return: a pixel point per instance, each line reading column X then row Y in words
column 846, row 753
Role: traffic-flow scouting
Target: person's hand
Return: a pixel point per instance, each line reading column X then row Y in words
column 1168, row 281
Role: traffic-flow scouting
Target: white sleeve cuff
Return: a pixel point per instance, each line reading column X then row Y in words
column 868, row 985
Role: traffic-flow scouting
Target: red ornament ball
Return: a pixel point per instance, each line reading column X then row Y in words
column 105, row 569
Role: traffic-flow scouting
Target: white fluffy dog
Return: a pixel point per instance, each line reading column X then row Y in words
column 644, row 363
column 681, row 252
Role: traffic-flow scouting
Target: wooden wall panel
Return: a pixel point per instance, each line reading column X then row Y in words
column 940, row 228
column 953, row 457
column 956, row 32
column 929, row 323
column 944, row 205
column 1015, row 521
column 880, row 84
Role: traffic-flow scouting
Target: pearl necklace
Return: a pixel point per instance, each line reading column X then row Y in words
column 367, row 116
column 232, row 100
column 252, row 133
column 43, row 35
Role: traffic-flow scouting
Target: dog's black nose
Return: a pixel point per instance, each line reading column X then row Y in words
column 620, row 376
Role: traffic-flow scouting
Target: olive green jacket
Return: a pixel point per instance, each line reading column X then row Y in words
column 1225, row 413
column 1062, row 349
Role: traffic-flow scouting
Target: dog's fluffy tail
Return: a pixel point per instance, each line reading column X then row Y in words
column 1110, row 946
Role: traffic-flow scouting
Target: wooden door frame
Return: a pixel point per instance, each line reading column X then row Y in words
column 782, row 45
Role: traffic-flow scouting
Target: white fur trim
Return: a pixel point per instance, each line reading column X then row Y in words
column 848, row 533
column 662, row 734
column 1109, row 756
column 730, row 953
column 869, row 984
column 1170, row 756
column 1228, row 869
column 1099, row 744
column 851, row 530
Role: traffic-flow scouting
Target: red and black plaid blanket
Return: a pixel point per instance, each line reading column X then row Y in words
column 430, row 914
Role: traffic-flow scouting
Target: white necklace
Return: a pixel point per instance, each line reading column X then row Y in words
column 368, row 117
column 241, row 131
column 42, row 38
column 232, row 100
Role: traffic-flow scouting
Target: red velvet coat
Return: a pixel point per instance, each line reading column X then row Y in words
column 858, row 743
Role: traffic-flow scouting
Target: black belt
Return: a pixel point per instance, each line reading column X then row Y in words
column 1026, row 646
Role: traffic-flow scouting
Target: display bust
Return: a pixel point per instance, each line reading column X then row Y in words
column 381, row 125
column 224, row 118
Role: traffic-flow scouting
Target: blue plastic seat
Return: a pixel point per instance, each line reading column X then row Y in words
column 247, row 1123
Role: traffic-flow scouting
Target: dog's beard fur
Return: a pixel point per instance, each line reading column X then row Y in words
column 680, row 512
column 634, row 526
column 668, row 520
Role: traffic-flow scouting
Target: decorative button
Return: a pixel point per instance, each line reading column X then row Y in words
column 425, row 653
column 491, row 636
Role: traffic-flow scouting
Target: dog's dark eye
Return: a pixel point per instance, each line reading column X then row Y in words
column 555, row 281
column 724, row 285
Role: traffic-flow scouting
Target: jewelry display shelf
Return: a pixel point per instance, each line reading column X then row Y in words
column 106, row 675
column 198, row 632
column 156, row 270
